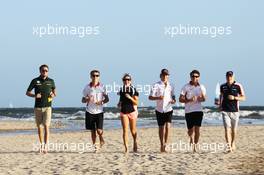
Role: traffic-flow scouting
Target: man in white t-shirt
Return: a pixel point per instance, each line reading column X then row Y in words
column 163, row 93
column 193, row 94
column 95, row 96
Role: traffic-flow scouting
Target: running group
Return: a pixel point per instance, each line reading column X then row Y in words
column 193, row 94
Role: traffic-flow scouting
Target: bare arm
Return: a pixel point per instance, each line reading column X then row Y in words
column 240, row 98
column 30, row 94
column 202, row 98
column 53, row 93
column 134, row 99
column 173, row 101
column 220, row 101
column 119, row 104
column 84, row 100
column 106, row 99
column 183, row 99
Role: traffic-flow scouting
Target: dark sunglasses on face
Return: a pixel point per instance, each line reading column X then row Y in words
column 195, row 76
column 126, row 79
column 44, row 70
column 95, row 75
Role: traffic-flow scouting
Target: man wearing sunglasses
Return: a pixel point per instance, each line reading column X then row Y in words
column 231, row 93
column 192, row 95
column 95, row 96
column 163, row 93
column 45, row 90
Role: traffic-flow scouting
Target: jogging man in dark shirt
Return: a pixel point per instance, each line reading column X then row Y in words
column 44, row 91
column 231, row 93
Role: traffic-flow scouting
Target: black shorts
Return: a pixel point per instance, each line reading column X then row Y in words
column 94, row 121
column 163, row 118
column 194, row 119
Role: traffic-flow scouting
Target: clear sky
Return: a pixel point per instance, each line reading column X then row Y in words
column 131, row 40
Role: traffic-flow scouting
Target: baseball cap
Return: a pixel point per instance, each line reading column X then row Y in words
column 164, row 72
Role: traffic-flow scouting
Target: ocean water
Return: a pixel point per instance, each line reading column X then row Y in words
column 73, row 118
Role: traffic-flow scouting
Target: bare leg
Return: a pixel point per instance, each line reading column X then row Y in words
column 228, row 138
column 93, row 136
column 233, row 135
column 100, row 133
column 46, row 138
column 197, row 134
column 191, row 135
column 196, row 137
column 133, row 129
column 161, row 136
column 40, row 135
column 167, row 132
column 125, row 123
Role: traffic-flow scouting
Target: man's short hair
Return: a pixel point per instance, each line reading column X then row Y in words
column 94, row 71
column 42, row 66
column 194, row 72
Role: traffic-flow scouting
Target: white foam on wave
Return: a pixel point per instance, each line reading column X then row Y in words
column 209, row 114
column 81, row 115
column 216, row 115
column 111, row 115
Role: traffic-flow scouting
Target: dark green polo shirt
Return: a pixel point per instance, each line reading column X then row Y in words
column 44, row 87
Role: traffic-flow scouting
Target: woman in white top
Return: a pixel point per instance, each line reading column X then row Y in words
column 193, row 94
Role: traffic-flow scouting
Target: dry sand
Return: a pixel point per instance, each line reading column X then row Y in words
column 17, row 154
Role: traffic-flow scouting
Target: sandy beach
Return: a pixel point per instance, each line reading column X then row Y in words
column 19, row 154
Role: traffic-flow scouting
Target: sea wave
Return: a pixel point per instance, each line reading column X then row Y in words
column 145, row 114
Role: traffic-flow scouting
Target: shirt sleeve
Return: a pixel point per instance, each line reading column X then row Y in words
column 203, row 89
column 31, row 86
column 241, row 91
column 135, row 92
column 183, row 91
column 85, row 92
column 221, row 89
column 120, row 95
column 53, row 85
column 153, row 90
column 104, row 90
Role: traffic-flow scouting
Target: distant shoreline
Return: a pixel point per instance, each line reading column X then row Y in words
column 72, row 107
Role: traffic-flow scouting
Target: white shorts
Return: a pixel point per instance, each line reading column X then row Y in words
column 230, row 119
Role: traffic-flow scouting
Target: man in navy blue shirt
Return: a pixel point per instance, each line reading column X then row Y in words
column 231, row 93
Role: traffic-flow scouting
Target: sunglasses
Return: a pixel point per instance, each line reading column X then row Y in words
column 195, row 76
column 44, row 70
column 127, row 79
column 95, row 75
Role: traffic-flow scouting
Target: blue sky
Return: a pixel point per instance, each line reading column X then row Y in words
column 131, row 40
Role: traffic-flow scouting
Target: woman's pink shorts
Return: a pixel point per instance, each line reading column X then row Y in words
column 132, row 115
